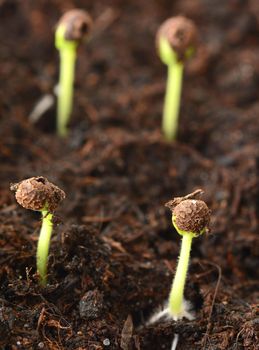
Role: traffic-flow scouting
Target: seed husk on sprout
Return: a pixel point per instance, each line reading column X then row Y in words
column 176, row 40
column 38, row 194
column 191, row 218
column 73, row 27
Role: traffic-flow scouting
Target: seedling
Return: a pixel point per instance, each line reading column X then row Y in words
column 72, row 28
column 176, row 41
column 190, row 218
column 38, row 194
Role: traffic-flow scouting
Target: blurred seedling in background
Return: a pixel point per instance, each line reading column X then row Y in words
column 73, row 27
column 38, row 194
column 191, row 219
column 176, row 40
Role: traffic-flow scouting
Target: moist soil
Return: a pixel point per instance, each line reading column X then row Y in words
column 114, row 250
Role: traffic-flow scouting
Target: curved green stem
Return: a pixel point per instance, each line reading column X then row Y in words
column 176, row 294
column 66, row 87
column 43, row 246
column 172, row 100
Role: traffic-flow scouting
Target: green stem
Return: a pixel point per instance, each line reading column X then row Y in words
column 66, row 87
column 172, row 100
column 176, row 294
column 43, row 246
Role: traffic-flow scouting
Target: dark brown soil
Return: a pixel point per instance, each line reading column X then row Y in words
column 114, row 250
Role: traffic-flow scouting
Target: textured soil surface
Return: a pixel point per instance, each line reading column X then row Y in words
column 114, row 250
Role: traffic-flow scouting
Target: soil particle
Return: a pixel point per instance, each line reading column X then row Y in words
column 6, row 322
column 91, row 305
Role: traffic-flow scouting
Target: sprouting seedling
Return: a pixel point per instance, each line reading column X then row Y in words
column 176, row 41
column 191, row 219
column 72, row 28
column 38, row 194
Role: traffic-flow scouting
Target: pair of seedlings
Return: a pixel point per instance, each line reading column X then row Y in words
column 190, row 217
column 176, row 41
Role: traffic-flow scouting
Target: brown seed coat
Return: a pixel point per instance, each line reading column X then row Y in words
column 37, row 193
column 192, row 215
column 78, row 24
column 181, row 34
